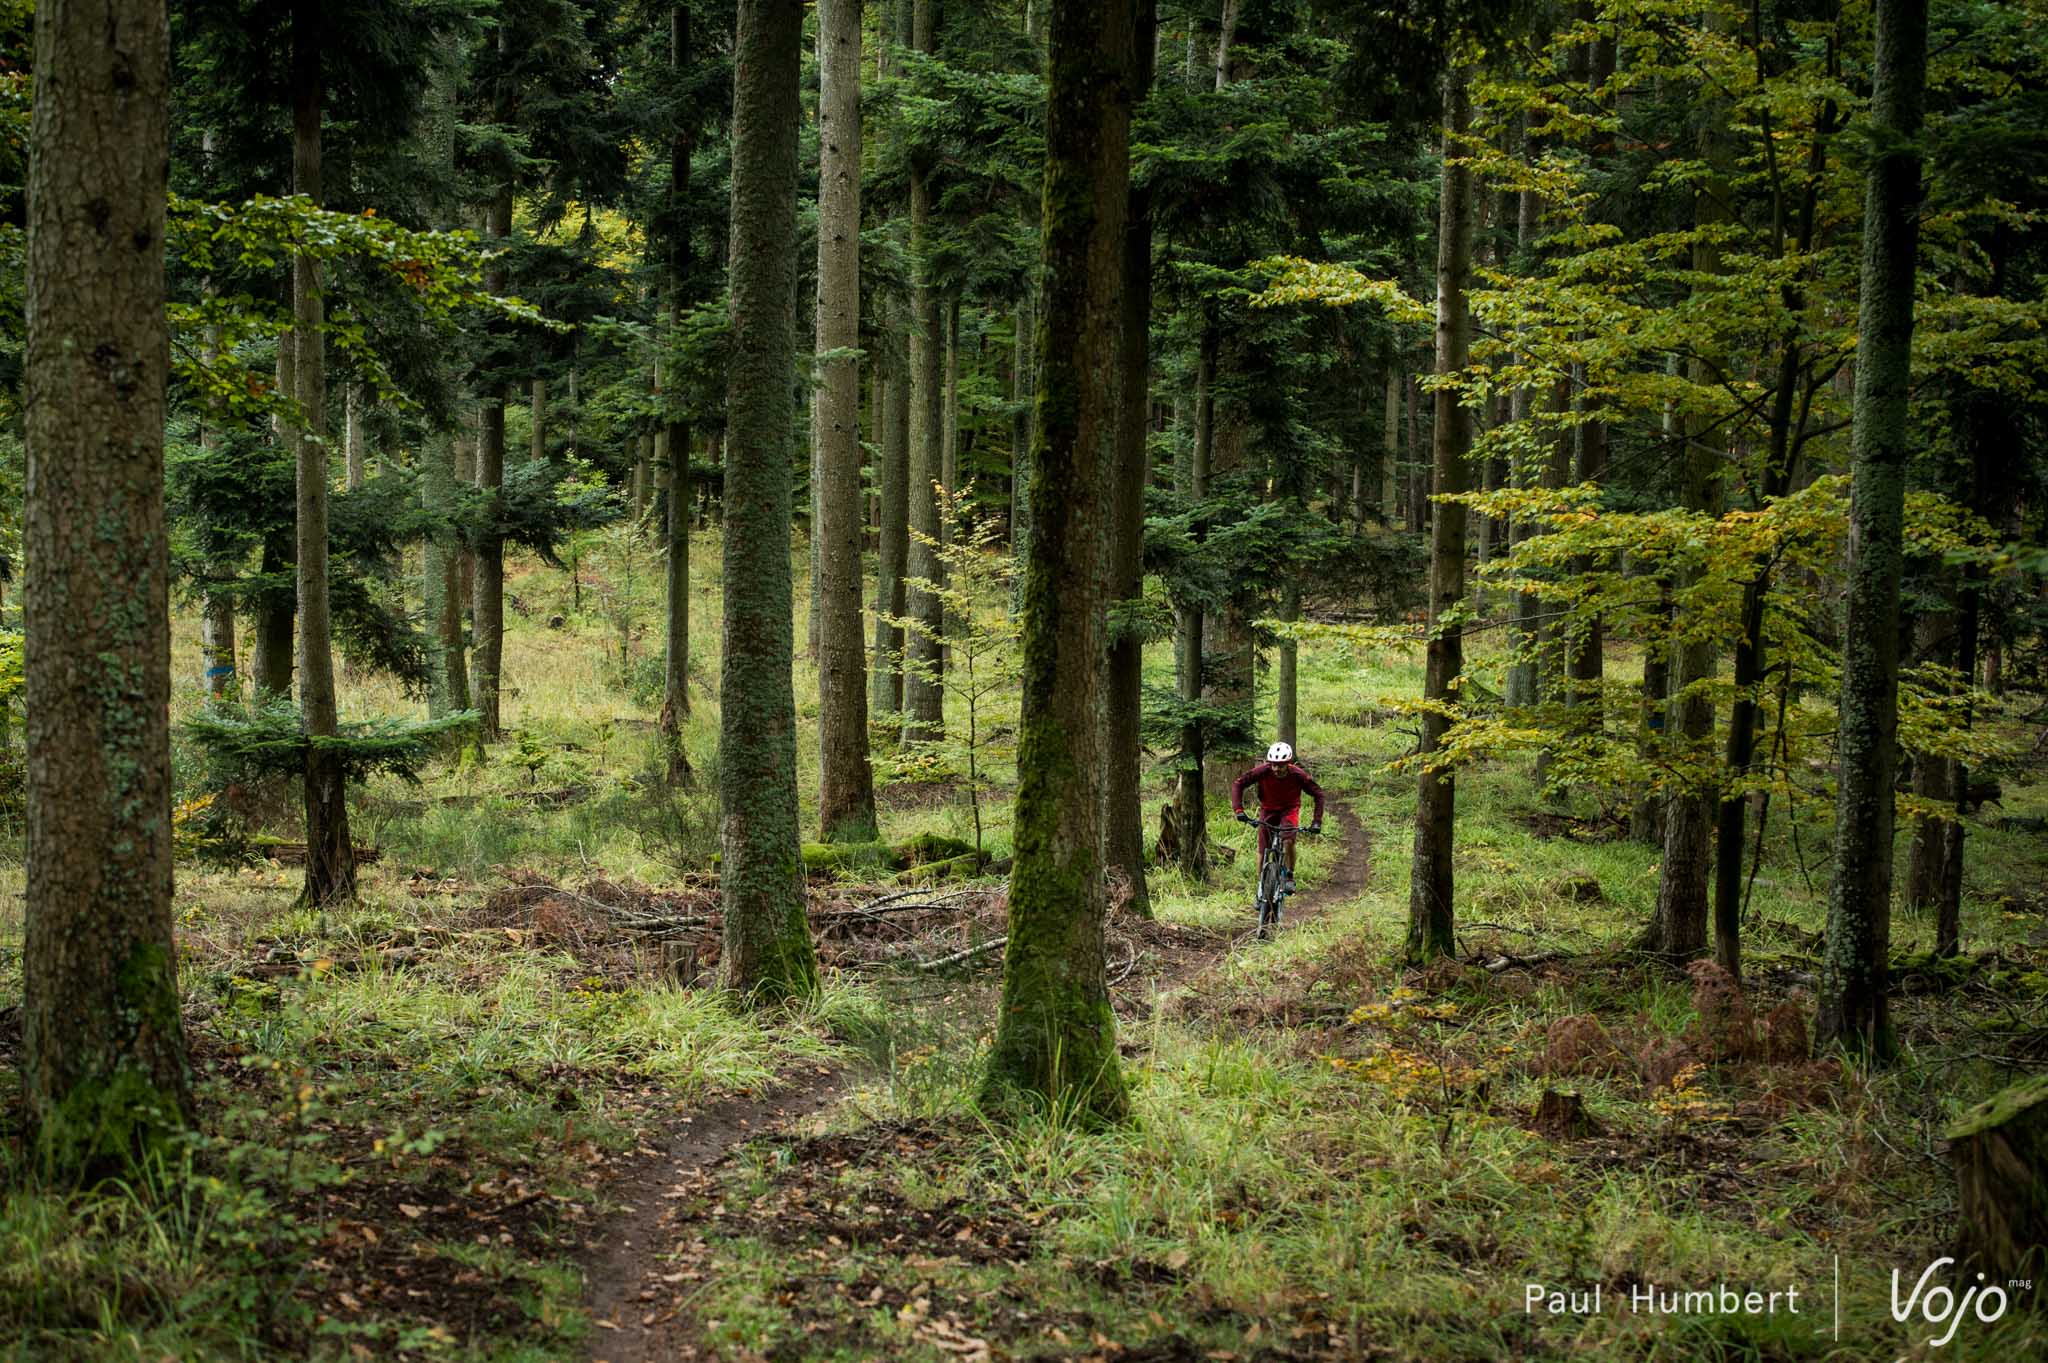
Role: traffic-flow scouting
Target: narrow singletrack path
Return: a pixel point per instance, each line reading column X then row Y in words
column 632, row 1309
column 640, row 1317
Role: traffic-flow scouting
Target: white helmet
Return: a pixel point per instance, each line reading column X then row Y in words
column 1280, row 752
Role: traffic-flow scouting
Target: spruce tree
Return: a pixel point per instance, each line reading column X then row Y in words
column 768, row 955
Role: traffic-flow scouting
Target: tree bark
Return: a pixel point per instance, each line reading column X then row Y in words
column 277, row 606
column 1430, row 902
column 846, row 791
column 1055, row 1034
column 924, row 697
column 675, row 671
column 103, row 1050
column 2000, row 1153
column 1853, row 1010
column 1190, row 794
column 537, row 420
column 893, row 534
column 330, row 856
column 448, row 683
column 489, row 605
column 1023, row 380
column 1123, row 814
column 1390, row 447
column 768, row 955
column 1678, row 928
column 354, row 442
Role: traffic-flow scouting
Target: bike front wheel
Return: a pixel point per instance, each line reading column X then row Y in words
column 1269, row 897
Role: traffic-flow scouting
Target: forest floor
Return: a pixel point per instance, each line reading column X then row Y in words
column 479, row 1114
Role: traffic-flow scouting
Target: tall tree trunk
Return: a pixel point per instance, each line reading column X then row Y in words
column 1190, row 794
column 217, row 646
column 330, row 857
column 1123, row 815
column 949, row 455
column 103, row 1050
column 924, row 697
column 1286, row 691
column 277, row 606
column 768, row 955
column 1390, row 447
column 448, row 680
column 1678, row 927
column 1585, row 660
column 1430, row 902
column 489, row 604
column 675, row 671
column 1055, row 1034
column 1933, row 780
column 217, row 610
column 1226, row 37
column 846, row 789
column 354, row 441
column 1523, row 687
column 893, row 534
column 537, row 420
column 1853, row 1009
column 1418, row 468
column 1023, row 378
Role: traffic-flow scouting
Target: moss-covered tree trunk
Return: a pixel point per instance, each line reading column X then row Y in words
column 330, row 856
column 1430, row 902
column 1123, row 815
column 448, row 679
column 892, row 534
column 675, row 671
column 1853, row 1011
column 1390, row 446
column 846, row 789
column 103, row 1052
column 488, row 605
column 1055, row 1034
column 1190, row 797
column 1023, row 381
column 767, row 954
column 924, row 697
column 2000, row 1153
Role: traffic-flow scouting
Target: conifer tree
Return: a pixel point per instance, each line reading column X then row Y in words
column 768, row 955
column 103, row 1059
column 1055, row 1033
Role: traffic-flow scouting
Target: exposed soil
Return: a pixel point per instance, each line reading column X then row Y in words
column 641, row 1279
column 637, row 1311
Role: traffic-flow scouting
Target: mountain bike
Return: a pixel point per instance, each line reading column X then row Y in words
column 1272, row 884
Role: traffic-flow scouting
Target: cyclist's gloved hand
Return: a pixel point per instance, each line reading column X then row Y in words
column 1243, row 817
column 1316, row 827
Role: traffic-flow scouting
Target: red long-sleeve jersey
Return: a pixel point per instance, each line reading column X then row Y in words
column 1281, row 786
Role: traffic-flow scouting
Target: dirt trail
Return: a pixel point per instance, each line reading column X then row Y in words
column 632, row 1328
column 634, row 1309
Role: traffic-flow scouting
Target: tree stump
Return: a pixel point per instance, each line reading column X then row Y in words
column 2000, row 1153
column 1563, row 1116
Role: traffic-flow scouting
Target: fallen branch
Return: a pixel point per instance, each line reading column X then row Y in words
column 965, row 954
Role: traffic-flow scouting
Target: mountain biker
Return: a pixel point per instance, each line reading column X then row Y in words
column 1281, row 783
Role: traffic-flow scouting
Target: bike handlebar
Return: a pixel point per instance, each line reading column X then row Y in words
column 1279, row 827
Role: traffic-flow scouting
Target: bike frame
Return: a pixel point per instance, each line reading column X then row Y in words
column 1272, row 870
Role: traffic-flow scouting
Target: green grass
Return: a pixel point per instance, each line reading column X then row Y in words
column 1330, row 1157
